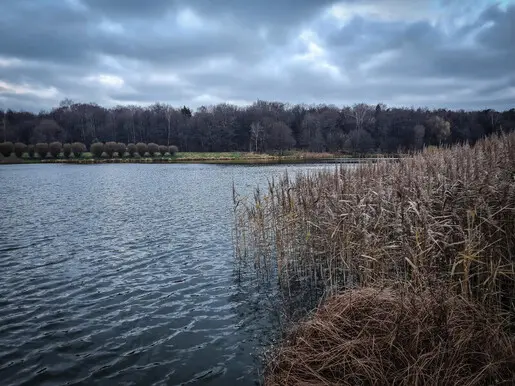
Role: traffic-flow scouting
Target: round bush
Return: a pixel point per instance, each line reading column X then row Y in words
column 67, row 150
column 132, row 149
column 78, row 148
column 6, row 148
column 163, row 149
column 55, row 148
column 104, row 155
column 19, row 149
column 121, row 148
column 110, row 148
column 31, row 150
column 173, row 150
column 153, row 148
column 97, row 149
column 146, row 155
column 395, row 337
column 142, row 148
column 42, row 149
column 25, row 155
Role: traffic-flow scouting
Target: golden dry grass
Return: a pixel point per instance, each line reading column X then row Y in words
column 439, row 215
column 439, row 225
column 395, row 337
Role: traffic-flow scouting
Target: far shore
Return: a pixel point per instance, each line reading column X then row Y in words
column 207, row 158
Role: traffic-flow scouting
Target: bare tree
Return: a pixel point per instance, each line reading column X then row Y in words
column 419, row 132
column 168, row 115
column 361, row 113
column 256, row 132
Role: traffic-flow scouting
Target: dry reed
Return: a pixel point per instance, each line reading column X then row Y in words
column 440, row 223
column 446, row 214
column 395, row 337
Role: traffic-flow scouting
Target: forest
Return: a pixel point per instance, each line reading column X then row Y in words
column 260, row 127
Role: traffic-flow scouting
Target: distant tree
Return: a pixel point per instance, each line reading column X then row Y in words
column 67, row 150
column 152, row 148
column 19, row 149
column 256, row 135
column 142, row 148
column 163, row 149
column 440, row 129
column 121, row 148
column 48, row 130
column 132, row 149
column 173, row 150
column 110, row 148
column 6, row 148
column 42, row 149
column 360, row 141
column 78, row 148
column 97, row 149
column 31, row 150
column 419, row 132
column 186, row 112
column 55, row 148
column 279, row 137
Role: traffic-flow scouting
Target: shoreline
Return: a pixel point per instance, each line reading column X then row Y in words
column 243, row 160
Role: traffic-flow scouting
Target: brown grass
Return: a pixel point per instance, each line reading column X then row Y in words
column 395, row 337
column 440, row 215
column 440, row 222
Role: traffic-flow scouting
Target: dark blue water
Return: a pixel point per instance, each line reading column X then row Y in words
column 125, row 274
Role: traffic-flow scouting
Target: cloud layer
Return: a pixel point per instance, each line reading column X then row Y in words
column 446, row 53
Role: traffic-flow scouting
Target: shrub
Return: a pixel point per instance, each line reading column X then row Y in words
column 104, row 155
column 173, row 150
column 42, row 149
column 78, row 148
column 25, row 155
column 55, row 148
column 6, row 148
column 67, row 150
column 146, row 154
column 395, row 337
column 31, row 150
column 141, row 148
column 19, row 149
column 110, row 148
column 163, row 149
column 153, row 148
column 116, row 155
column 97, row 149
column 121, row 149
column 132, row 149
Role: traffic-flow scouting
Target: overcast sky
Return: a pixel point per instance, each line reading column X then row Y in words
column 440, row 53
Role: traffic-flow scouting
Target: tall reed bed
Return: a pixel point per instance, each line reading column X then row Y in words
column 442, row 215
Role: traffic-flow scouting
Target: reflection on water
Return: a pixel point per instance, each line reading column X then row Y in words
column 124, row 273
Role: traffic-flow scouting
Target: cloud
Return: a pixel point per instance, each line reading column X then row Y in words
column 440, row 53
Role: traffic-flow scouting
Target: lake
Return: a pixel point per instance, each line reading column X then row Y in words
column 125, row 274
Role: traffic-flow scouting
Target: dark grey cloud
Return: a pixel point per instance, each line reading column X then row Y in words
column 435, row 53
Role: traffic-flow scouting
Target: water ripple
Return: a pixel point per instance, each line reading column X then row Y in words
column 123, row 274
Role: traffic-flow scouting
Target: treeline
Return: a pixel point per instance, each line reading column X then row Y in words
column 262, row 126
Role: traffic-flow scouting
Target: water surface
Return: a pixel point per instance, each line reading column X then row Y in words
column 124, row 274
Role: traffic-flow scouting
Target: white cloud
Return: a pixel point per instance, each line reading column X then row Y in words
column 106, row 80
column 26, row 89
